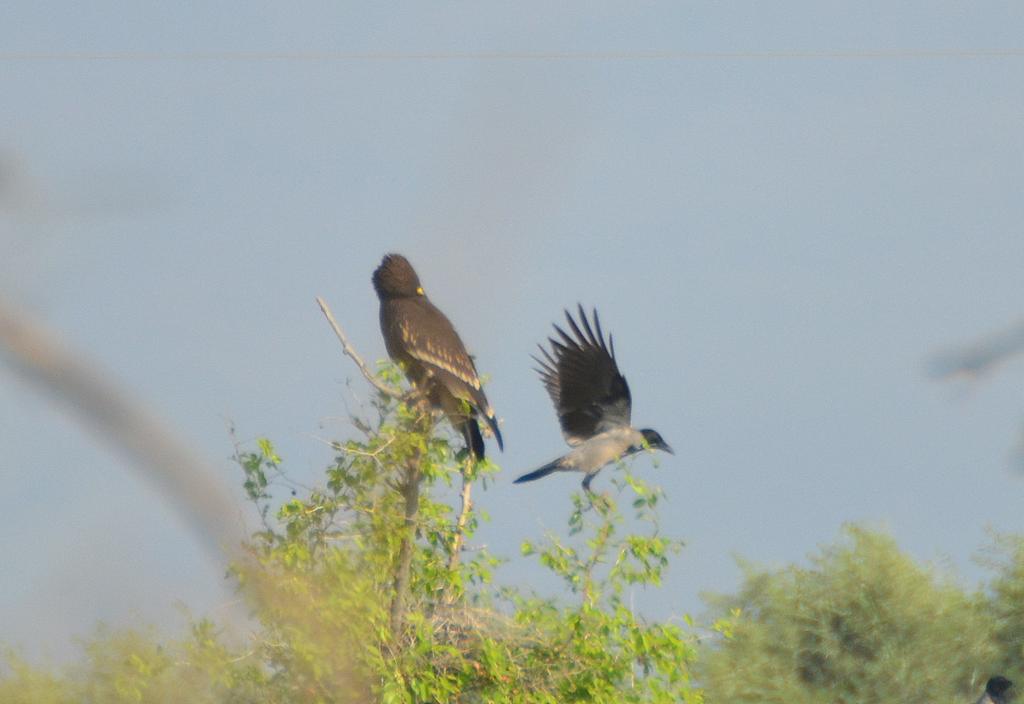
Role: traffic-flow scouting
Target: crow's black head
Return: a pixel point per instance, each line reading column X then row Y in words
column 997, row 686
column 395, row 278
column 655, row 441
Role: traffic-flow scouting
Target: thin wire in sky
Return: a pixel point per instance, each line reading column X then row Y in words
column 329, row 56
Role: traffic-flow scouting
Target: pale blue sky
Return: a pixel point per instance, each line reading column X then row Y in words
column 777, row 243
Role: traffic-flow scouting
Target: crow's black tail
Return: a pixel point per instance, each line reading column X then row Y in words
column 538, row 473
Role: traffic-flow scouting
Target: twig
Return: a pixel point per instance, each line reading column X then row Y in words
column 348, row 350
column 979, row 357
column 982, row 357
column 467, row 507
column 44, row 360
column 411, row 494
column 335, row 445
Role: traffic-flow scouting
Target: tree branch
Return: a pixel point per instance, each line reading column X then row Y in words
column 977, row 358
column 348, row 350
column 464, row 512
column 411, row 495
column 98, row 402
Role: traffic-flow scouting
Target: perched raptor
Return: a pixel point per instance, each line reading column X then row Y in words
column 996, row 691
column 592, row 400
column 422, row 339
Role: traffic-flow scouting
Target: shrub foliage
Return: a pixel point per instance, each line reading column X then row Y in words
column 368, row 588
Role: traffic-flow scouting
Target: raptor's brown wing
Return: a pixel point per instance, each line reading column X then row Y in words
column 423, row 333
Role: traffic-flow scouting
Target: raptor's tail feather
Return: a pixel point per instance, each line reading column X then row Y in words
column 492, row 421
column 474, row 438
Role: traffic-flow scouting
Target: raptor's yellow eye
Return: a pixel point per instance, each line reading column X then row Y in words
column 419, row 290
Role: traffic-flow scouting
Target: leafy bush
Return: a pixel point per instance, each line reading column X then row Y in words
column 364, row 592
column 863, row 624
column 1006, row 605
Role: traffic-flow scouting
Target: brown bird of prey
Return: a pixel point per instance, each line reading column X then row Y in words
column 422, row 339
column 592, row 400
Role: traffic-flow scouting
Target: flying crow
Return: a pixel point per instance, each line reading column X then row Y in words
column 592, row 400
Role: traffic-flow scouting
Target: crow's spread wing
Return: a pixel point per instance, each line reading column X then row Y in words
column 583, row 380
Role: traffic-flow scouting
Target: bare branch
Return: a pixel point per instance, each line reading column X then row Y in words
column 982, row 357
column 403, row 564
column 98, row 402
column 346, row 347
column 459, row 538
column 979, row 357
column 335, row 445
